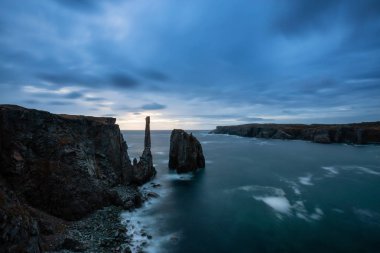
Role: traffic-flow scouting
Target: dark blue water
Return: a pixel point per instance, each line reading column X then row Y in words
column 259, row 195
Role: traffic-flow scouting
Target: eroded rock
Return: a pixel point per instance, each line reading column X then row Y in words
column 143, row 170
column 186, row 152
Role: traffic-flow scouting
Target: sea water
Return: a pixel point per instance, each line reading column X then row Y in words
column 259, row 195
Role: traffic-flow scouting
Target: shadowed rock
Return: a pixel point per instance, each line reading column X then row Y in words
column 186, row 153
column 357, row 133
column 143, row 171
column 61, row 165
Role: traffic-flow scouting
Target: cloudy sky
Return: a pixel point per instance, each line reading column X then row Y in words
column 193, row 64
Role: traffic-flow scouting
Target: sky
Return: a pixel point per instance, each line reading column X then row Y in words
column 193, row 64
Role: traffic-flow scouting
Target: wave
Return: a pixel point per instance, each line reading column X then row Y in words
column 276, row 199
column 334, row 170
column 306, row 180
column 181, row 177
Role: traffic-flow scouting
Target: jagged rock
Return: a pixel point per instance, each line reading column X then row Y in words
column 73, row 245
column 143, row 171
column 356, row 133
column 322, row 136
column 61, row 165
column 18, row 229
column 185, row 152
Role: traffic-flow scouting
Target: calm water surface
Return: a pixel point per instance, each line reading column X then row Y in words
column 259, row 195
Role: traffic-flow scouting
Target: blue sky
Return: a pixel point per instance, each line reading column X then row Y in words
column 193, row 64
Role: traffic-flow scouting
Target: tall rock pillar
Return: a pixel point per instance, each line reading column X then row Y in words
column 144, row 169
column 147, row 133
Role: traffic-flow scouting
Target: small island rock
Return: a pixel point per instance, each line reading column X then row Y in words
column 186, row 152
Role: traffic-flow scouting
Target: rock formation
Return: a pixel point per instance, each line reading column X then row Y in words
column 186, row 153
column 144, row 170
column 358, row 133
column 60, row 165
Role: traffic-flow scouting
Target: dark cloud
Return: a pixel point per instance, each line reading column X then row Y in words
column 124, row 81
column 300, row 16
column 278, row 56
column 215, row 116
column 155, row 75
column 31, row 101
column 60, row 103
column 81, row 5
column 94, row 99
column 73, row 95
column 70, row 78
column 153, row 106
column 253, row 119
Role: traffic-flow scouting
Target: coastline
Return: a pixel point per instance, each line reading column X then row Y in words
column 354, row 133
column 62, row 177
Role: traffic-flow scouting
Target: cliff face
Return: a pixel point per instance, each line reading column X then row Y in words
column 186, row 152
column 360, row 133
column 62, row 165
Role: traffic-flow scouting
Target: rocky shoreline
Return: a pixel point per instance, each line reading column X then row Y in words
column 356, row 133
column 101, row 231
column 64, row 179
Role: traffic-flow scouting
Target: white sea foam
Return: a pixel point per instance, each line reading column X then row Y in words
column 159, row 153
column 334, row 170
column 181, row 177
column 367, row 216
column 331, row 170
column 362, row 169
column 279, row 204
column 317, row 215
column 142, row 223
column 276, row 199
column 368, row 171
column 306, row 180
column 292, row 185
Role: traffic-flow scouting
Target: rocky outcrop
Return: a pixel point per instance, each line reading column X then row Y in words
column 18, row 229
column 144, row 170
column 358, row 133
column 186, row 153
column 61, row 165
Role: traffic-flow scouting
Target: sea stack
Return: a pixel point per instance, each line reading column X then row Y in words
column 186, row 153
column 144, row 169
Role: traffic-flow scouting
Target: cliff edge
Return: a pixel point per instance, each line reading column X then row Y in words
column 356, row 133
column 63, row 166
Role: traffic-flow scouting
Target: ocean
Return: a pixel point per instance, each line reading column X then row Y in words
column 260, row 195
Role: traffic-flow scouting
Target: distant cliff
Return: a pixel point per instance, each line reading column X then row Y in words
column 357, row 133
column 62, row 165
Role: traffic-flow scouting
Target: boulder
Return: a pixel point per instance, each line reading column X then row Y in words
column 186, row 152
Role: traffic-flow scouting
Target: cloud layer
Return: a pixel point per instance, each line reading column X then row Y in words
column 194, row 64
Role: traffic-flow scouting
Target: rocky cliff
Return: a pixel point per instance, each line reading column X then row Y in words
column 61, row 165
column 144, row 170
column 186, row 152
column 359, row 133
